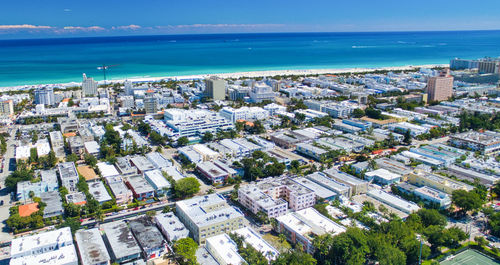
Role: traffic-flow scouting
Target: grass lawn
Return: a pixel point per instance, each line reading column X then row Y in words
column 276, row 243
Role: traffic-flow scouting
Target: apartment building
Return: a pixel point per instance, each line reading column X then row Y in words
column 209, row 215
column 255, row 200
column 298, row 196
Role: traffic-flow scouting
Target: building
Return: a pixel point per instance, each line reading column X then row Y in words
column 88, row 173
column 121, row 243
column 382, row 176
column 89, row 86
column 92, row 148
column 460, row 64
column 47, row 183
column 76, row 145
column 215, row 88
column 158, row 182
column 107, row 170
column 209, row 215
column 44, row 242
column 65, row 255
column 489, row 66
column 7, row 107
column 170, row 226
column 140, row 188
column 57, row 142
column 311, row 151
column 68, row 175
column 440, row 87
column 433, row 196
column 53, row 202
column 393, row 201
column 44, row 95
column 321, row 192
column 438, row 182
column 302, row 226
column 260, row 92
column 244, row 113
column 224, row 250
column 148, row 236
column 91, row 247
column 122, row 194
column 298, row 197
column 194, row 123
column 77, row 198
column 487, row 142
column 255, row 240
column 125, row 168
column 158, row 160
column 142, row 164
column 217, row 172
column 99, row 192
column 323, row 180
column 358, row 186
column 255, row 200
column 150, row 102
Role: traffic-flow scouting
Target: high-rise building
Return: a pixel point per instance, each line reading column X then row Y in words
column 89, row 86
column 150, row 102
column 440, row 87
column 129, row 89
column 215, row 88
column 44, row 95
column 7, row 107
column 489, row 66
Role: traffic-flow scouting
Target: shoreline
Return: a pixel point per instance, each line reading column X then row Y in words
column 248, row 74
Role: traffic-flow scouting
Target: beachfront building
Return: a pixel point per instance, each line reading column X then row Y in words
column 302, row 226
column 44, row 96
column 89, row 86
column 209, row 215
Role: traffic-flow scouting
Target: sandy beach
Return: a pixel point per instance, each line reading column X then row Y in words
column 250, row 74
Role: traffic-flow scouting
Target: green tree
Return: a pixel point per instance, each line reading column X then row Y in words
column 182, row 141
column 186, row 187
column 72, row 158
column 185, row 251
column 431, row 217
column 90, row 160
column 358, row 113
column 466, row 200
column 294, row 257
column 207, row 137
column 52, row 159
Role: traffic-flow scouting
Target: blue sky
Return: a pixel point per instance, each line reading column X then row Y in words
column 67, row 18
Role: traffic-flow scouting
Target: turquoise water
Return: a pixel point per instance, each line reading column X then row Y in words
column 26, row 62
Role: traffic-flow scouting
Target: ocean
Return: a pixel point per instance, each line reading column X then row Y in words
column 63, row 60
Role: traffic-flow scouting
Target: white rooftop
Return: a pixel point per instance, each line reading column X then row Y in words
column 255, row 240
column 63, row 255
column 226, row 249
column 107, row 170
column 383, row 174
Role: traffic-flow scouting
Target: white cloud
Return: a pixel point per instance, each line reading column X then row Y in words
column 24, row 26
column 129, row 27
column 77, row 28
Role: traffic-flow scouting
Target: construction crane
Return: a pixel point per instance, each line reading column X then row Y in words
column 104, row 68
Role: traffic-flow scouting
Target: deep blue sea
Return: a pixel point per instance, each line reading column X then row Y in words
column 39, row 61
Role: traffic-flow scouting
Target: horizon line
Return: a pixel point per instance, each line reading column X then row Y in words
column 249, row 33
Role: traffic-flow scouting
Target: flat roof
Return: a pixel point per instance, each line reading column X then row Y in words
column 308, row 221
column 226, row 249
column 92, row 147
column 255, row 240
column 63, row 255
column 398, row 203
column 158, row 160
column 351, row 180
column 91, row 247
column 208, row 209
column 146, row 233
column 121, row 241
column 156, row 179
column 383, row 174
column 24, row 244
column 107, row 170
column 173, row 172
column 319, row 190
column 99, row 192
column 140, row 185
column 142, row 163
column 170, row 223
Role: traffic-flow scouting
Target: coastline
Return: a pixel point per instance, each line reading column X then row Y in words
column 247, row 74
